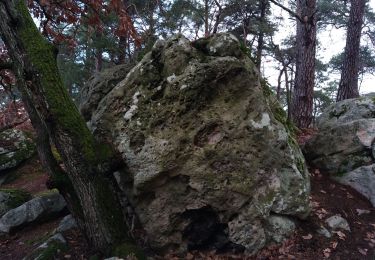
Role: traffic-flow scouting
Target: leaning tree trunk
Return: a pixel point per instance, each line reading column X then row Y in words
column 348, row 86
column 88, row 165
column 302, row 103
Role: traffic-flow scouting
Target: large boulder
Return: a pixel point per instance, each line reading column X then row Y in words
column 344, row 145
column 15, row 147
column 209, row 155
column 98, row 86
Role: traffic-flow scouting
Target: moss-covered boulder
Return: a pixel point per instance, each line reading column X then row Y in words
column 15, row 147
column 345, row 140
column 345, row 144
column 209, row 156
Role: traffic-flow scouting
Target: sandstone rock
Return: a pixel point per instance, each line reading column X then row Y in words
column 98, row 86
column 344, row 140
column 55, row 238
column 11, row 198
column 209, row 155
column 15, row 147
column 337, row 222
column 32, row 211
column 344, row 146
column 67, row 223
column 280, row 228
column 361, row 179
column 324, row 232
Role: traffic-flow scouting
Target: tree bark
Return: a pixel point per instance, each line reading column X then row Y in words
column 302, row 104
column 348, row 86
column 89, row 165
column 206, row 14
column 263, row 8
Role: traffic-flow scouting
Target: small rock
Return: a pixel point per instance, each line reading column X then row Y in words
column 362, row 211
column 53, row 246
column 55, row 238
column 68, row 222
column 324, row 232
column 279, row 228
column 337, row 222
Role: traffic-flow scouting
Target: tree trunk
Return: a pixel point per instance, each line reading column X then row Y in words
column 302, row 104
column 88, row 165
column 348, row 86
column 263, row 8
column 206, row 16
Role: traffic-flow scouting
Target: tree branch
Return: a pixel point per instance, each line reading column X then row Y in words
column 294, row 14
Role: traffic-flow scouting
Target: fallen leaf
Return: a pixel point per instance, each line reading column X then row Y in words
column 341, row 235
column 334, row 244
column 327, row 252
column 308, row 237
column 362, row 251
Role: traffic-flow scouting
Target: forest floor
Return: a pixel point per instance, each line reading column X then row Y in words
column 327, row 199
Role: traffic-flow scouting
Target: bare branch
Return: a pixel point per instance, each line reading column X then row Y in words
column 294, row 14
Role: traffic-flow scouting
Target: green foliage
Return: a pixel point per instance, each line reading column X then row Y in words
column 128, row 250
column 366, row 65
column 52, row 251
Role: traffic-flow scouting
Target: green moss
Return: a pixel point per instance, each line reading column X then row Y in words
column 126, row 250
column 51, row 252
column 38, row 240
column 110, row 209
column 266, row 87
column 56, row 154
column 18, row 197
column 300, row 164
column 337, row 114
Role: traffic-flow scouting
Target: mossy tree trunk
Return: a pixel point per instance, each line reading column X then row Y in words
column 89, row 165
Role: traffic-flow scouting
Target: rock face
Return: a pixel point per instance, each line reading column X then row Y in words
column 32, row 211
column 98, row 86
column 344, row 146
column 209, row 157
column 15, row 147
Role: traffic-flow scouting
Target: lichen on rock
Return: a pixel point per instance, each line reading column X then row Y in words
column 344, row 147
column 208, row 160
column 15, row 147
